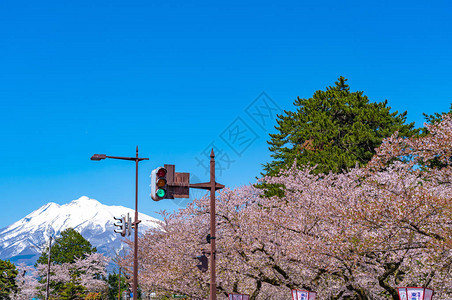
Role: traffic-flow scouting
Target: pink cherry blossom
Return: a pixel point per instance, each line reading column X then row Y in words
column 358, row 234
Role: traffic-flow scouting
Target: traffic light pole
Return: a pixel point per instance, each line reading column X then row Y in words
column 135, row 239
column 179, row 185
column 213, row 284
column 212, row 186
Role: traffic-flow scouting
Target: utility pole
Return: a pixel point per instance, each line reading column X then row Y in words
column 48, row 269
column 119, row 285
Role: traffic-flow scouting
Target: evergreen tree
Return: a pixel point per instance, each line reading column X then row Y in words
column 72, row 290
column 69, row 246
column 335, row 129
column 113, row 285
column 8, row 273
column 436, row 117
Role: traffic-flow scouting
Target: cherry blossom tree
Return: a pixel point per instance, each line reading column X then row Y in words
column 73, row 280
column 27, row 282
column 356, row 235
column 378, row 227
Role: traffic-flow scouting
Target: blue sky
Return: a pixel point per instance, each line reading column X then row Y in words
column 173, row 77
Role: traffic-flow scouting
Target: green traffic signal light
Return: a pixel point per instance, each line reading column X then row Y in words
column 158, row 184
column 161, row 193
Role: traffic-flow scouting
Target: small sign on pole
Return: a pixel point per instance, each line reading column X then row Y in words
column 303, row 295
column 415, row 293
column 239, row 297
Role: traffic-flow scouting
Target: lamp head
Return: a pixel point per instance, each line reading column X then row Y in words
column 98, row 156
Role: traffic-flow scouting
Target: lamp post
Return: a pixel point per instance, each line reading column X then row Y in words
column 135, row 223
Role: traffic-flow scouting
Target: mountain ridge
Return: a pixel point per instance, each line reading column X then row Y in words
column 24, row 240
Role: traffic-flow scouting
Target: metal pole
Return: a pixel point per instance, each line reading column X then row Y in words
column 119, row 285
column 213, row 285
column 48, row 269
column 135, row 242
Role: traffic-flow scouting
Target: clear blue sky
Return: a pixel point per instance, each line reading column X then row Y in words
column 84, row 77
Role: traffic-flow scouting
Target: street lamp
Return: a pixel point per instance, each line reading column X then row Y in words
column 137, row 159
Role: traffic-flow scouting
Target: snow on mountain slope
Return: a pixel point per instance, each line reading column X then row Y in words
column 23, row 240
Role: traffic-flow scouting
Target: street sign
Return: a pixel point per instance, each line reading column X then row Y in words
column 238, row 297
column 303, row 295
column 415, row 293
column 178, row 183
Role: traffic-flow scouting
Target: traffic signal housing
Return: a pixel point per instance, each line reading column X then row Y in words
column 121, row 224
column 204, row 263
column 159, row 184
column 129, row 225
column 168, row 184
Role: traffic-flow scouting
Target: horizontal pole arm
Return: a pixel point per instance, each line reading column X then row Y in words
column 205, row 186
column 128, row 158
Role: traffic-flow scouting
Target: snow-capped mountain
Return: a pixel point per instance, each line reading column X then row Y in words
column 24, row 240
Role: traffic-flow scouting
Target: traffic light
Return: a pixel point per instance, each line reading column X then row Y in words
column 158, row 184
column 121, row 224
column 204, row 263
column 129, row 225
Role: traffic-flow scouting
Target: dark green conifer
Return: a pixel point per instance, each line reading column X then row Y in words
column 436, row 117
column 8, row 273
column 69, row 246
column 335, row 129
